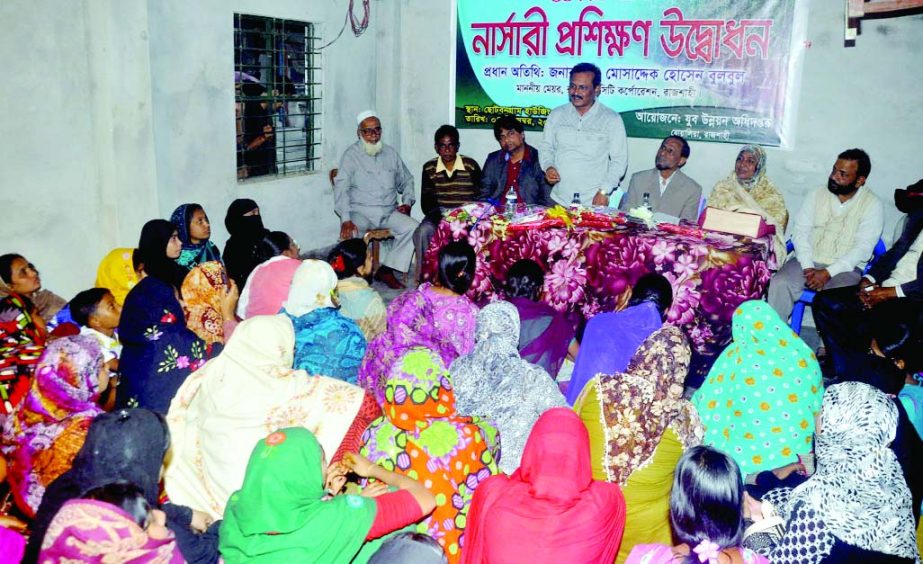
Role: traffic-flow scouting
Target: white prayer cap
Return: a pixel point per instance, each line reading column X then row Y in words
column 366, row 115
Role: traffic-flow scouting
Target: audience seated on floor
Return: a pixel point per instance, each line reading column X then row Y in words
column 639, row 426
column 435, row 316
column 324, row 426
column 358, row 300
column 550, row 509
column 493, row 381
column 327, row 343
column 283, row 511
column 422, row 435
column 544, row 333
column 195, row 232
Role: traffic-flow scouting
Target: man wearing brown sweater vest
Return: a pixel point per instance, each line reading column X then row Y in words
column 449, row 181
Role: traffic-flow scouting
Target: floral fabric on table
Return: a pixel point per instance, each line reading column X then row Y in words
column 590, row 269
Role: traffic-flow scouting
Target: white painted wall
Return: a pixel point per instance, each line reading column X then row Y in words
column 866, row 96
column 116, row 111
column 76, row 164
column 192, row 64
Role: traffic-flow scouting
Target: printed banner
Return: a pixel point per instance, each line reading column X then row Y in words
column 709, row 70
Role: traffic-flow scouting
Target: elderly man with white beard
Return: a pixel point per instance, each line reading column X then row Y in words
column 366, row 187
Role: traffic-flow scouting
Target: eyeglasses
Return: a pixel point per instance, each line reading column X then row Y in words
column 370, row 130
column 446, row 145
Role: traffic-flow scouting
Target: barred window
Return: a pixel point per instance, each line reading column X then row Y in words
column 277, row 85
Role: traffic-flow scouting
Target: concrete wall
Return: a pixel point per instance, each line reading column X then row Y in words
column 77, row 174
column 116, row 111
column 866, row 96
column 192, row 63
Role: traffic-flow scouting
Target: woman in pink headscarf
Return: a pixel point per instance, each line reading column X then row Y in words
column 551, row 509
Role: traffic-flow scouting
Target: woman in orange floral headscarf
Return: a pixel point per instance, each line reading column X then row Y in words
column 421, row 436
column 44, row 433
column 202, row 291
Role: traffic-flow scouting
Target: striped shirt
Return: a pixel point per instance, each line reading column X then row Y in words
column 442, row 189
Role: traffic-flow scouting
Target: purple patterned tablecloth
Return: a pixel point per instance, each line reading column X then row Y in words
column 592, row 271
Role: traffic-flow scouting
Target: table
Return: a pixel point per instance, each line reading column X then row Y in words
column 591, row 270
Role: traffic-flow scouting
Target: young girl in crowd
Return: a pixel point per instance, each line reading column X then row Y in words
column 706, row 513
column 195, row 232
column 358, row 300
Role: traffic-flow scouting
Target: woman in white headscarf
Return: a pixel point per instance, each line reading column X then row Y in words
column 326, row 342
column 748, row 189
column 493, row 381
column 247, row 392
column 856, row 507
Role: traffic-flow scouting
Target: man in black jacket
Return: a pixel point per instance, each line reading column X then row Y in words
column 514, row 165
column 892, row 289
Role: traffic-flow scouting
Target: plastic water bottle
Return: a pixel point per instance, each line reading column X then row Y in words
column 646, row 203
column 575, row 201
column 511, row 201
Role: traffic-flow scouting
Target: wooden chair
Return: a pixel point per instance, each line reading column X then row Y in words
column 372, row 237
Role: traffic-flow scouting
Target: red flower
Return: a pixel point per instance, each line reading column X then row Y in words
column 276, row 438
column 338, row 264
column 168, row 318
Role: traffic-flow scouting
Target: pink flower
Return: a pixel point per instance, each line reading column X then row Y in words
column 686, row 265
column 565, row 284
column 182, row 361
column 685, row 300
column 662, row 251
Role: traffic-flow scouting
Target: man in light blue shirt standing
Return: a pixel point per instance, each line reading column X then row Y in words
column 584, row 150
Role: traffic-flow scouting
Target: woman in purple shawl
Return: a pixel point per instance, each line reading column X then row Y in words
column 544, row 332
column 435, row 316
column 611, row 339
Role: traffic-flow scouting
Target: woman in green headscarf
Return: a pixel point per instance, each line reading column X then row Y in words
column 282, row 511
column 759, row 400
column 747, row 189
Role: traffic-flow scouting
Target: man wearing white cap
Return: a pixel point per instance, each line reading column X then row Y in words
column 370, row 177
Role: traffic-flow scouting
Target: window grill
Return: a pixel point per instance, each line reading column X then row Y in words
column 277, row 85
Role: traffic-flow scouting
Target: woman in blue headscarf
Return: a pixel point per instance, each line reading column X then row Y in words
column 327, row 343
column 194, row 231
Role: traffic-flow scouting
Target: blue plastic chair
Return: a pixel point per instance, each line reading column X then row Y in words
column 807, row 296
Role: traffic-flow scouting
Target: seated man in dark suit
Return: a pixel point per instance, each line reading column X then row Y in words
column 669, row 190
column 514, row 165
column 892, row 289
